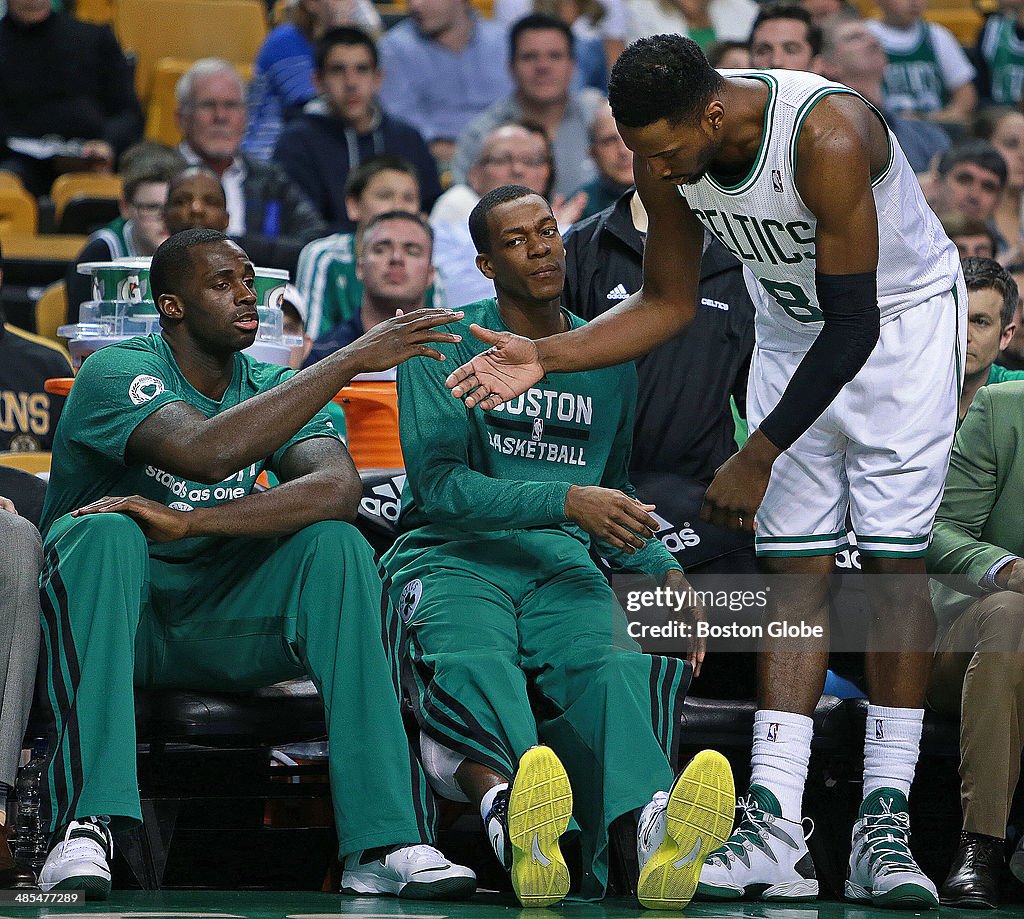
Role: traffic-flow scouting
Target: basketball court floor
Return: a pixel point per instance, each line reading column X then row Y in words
column 253, row 904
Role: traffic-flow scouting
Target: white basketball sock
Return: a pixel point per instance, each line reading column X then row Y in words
column 892, row 742
column 782, row 750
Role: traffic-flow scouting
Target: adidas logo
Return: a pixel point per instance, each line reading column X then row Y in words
column 618, row 292
column 388, row 500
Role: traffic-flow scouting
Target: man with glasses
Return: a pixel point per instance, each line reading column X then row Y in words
column 542, row 52
column 146, row 169
column 271, row 218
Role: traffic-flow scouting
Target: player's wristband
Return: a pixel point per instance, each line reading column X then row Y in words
column 849, row 304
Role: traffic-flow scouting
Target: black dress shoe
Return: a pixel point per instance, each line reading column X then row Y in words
column 973, row 881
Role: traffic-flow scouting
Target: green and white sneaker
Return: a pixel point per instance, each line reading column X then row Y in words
column 882, row 869
column 765, row 858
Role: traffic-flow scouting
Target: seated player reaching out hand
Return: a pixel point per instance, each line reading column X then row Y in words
column 164, row 568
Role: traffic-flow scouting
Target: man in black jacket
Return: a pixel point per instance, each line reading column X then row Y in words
column 271, row 218
column 66, row 78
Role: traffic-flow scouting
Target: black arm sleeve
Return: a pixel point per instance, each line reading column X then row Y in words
column 849, row 304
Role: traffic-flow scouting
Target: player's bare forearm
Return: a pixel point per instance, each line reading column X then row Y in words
column 637, row 325
column 181, row 440
column 319, row 482
column 662, row 308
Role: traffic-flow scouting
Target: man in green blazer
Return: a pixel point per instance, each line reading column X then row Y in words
column 979, row 662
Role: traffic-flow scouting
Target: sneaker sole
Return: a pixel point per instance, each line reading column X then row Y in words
column 698, row 819
column 903, row 896
column 791, row 892
column 94, row 888
column 539, row 809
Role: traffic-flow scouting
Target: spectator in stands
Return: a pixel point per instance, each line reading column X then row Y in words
column 145, row 170
column 443, row 65
column 541, row 48
column 66, row 79
column 1004, row 128
column 282, row 78
column 614, row 162
column 346, row 125
column 195, row 201
column 395, row 270
column 784, row 37
column 970, row 236
column 181, row 582
column 971, row 179
column 992, row 301
column 526, row 493
column 269, row 216
column 979, row 662
column 327, row 275
column 603, row 20
column 999, row 55
column 28, row 414
column 928, row 74
column 21, row 559
column 729, row 55
column 852, row 54
column 705, row 21
column 517, row 153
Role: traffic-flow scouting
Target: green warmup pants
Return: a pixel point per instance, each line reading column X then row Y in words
column 250, row 613
column 515, row 638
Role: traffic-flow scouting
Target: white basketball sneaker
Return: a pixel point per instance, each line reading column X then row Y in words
column 766, row 857
column 81, row 860
column 883, row 871
column 418, row 872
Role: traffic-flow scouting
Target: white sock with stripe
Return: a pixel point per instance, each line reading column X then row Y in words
column 782, row 751
column 892, row 742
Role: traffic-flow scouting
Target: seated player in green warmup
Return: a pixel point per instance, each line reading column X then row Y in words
column 164, row 568
column 502, row 602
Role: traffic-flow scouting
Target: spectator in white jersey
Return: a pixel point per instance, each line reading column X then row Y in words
column 929, row 75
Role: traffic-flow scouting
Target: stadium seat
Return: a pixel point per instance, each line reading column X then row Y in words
column 18, row 211
column 102, row 12
column 84, row 201
column 52, row 310
column 189, row 30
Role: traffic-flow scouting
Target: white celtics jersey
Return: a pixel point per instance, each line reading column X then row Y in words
column 764, row 222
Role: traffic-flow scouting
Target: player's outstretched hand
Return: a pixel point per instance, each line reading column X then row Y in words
column 501, row 373
column 691, row 613
column 738, row 488
column 401, row 337
column 611, row 516
column 158, row 522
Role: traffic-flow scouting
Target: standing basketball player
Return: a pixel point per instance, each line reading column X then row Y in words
column 861, row 314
